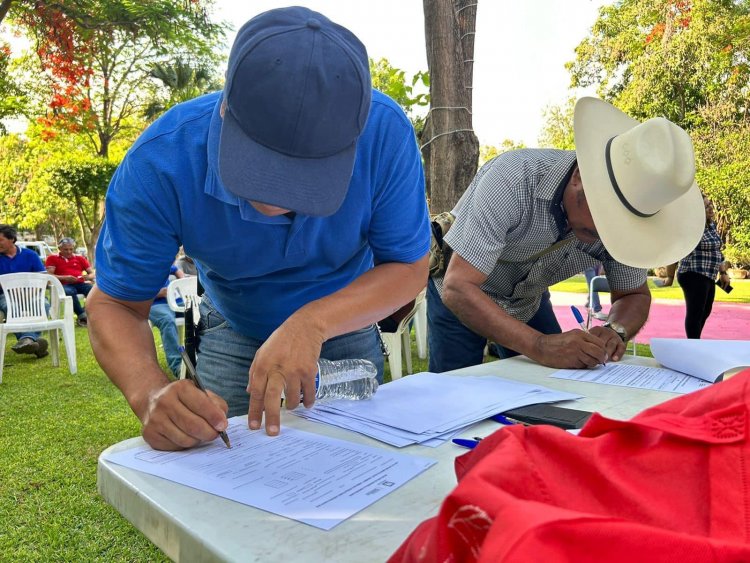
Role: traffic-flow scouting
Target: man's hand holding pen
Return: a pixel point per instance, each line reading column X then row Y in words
column 179, row 416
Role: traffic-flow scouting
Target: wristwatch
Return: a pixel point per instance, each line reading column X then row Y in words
column 618, row 328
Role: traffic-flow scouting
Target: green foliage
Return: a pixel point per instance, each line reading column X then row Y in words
column 558, row 130
column 392, row 81
column 12, row 98
column 96, row 58
column 78, row 176
column 181, row 81
column 488, row 152
column 667, row 57
column 723, row 154
column 687, row 61
column 56, row 186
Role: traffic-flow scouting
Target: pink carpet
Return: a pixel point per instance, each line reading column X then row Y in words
column 728, row 321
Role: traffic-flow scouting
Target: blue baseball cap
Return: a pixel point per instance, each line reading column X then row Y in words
column 297, row 97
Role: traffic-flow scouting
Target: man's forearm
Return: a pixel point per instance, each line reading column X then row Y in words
column 482, row 315
column 124, row 347
column 368, row 299
column 631, row 312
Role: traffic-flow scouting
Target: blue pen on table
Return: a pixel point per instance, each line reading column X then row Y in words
column 579, row 320
column 502, row 419
column 471, row 444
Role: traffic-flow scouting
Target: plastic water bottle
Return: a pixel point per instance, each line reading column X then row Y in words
column 345, row 379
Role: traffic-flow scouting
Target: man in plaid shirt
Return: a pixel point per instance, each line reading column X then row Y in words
column 534, row 217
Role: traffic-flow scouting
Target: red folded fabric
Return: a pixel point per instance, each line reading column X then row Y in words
column 669, row 485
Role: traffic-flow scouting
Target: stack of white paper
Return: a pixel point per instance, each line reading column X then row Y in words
column 430, row 408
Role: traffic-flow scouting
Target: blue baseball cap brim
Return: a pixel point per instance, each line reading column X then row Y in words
column 257, row 173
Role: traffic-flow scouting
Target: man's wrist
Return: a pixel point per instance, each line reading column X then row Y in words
column 618, row 329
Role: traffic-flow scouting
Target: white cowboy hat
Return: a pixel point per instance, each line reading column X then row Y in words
column 639, row 181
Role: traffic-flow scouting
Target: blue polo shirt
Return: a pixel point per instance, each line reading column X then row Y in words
column 257, row 270
column 25, row 260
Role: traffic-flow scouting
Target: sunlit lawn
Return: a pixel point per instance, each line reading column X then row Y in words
column 740, row 294
column 54, row 425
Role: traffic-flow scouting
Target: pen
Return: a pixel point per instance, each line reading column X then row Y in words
column 471, row 444
column 193, row 376
column 579, row 319
column 502, row 419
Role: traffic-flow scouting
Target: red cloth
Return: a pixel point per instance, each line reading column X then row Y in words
column 73, row 266
column 669, row 485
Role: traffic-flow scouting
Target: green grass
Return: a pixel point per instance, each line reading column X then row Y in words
column 54, row 425
column 741, row 293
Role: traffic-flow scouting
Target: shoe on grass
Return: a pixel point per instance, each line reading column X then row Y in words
column 25, row 346
column 42, row 346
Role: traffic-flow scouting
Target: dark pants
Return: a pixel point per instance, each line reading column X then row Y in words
column 73, row 289
column 452, row 345
column 699, row 299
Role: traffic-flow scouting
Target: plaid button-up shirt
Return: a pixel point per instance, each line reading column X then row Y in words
column 511, row 212
column 706, row 259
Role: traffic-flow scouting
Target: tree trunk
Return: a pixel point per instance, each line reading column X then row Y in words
column 449, row 146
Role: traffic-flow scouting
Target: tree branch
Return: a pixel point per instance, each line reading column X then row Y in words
column 4, row 7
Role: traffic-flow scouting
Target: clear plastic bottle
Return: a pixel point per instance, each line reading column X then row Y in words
column 345, row 379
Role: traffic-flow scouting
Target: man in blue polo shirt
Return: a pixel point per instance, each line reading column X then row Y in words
column 14, row 259
column 299, row 193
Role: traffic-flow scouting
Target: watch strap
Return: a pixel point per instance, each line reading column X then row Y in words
column 619, row 330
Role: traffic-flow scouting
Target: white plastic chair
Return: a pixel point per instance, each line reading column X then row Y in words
column 177, row 292
column 600, row 284
column 25, row 298
column 420, row 324
column 398, row 343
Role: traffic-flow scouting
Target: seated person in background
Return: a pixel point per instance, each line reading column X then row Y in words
column 74, row 272
column 14, row 259
column 162, row 317
column 534, row 217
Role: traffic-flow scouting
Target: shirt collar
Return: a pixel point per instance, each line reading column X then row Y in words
column 553, row 188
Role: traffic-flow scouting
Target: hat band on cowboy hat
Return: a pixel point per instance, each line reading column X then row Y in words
column 639, row 182
column 655, row 164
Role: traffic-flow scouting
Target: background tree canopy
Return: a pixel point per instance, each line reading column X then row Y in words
column 100, row 70
column 687, row 61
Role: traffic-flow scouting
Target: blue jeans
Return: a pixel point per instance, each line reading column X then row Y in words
column 19, row 335
column 162, row 317
column 73, row 289
column 224, row 355
column 452, row 345
column 590, row 274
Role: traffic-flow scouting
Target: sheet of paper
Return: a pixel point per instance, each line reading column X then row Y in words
column 428, row 408
column 313, row 479
column 707, row 359
column 642, row 377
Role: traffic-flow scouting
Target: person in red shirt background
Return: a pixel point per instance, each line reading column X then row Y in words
column 74, row 272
